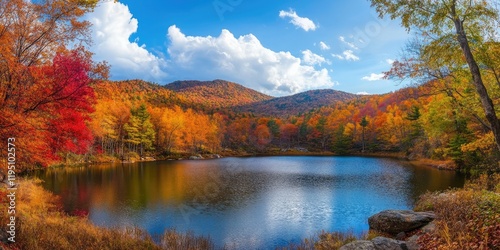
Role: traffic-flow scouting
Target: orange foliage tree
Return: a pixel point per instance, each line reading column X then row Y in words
column 45, row 96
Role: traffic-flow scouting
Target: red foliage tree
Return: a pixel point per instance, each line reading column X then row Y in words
column 50, row 115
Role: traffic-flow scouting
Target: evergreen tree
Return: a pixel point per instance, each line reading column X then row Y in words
column 140, row 130
column 342, row 142
column 363, row 124
column 417, row 129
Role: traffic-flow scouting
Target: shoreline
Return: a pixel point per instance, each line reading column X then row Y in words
column 444, row 165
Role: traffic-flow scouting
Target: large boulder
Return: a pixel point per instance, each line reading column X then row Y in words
column 359, row 245
column 384, row 243
column 379, row 243
column 397, row 221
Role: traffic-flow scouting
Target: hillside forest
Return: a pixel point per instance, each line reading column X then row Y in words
column 61, row 108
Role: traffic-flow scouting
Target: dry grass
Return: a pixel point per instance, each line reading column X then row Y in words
column 330, row 241
column 40, row 225
column 173, row 240
column 468, row 218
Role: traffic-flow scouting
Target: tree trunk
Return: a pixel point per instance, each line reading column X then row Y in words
column 477, row 81
column 363, row 139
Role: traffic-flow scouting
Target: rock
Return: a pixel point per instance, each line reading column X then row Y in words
column 196, row 157
column 429, row 228
column 359, row 245
column 401, row 236
column 412, row 244
column 396, row 221
column 379, row 243
column 383, row 243
column 301, row 149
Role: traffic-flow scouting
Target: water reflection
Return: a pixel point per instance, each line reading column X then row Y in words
column 245, row 202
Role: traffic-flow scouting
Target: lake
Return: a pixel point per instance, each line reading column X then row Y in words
column 245, row 203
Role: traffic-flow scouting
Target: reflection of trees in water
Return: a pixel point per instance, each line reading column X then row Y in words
column 426, row 178
column 204, row 185
column 143, row 184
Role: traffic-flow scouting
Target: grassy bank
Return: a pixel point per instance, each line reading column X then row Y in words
column 40, row 224
column 467, row 218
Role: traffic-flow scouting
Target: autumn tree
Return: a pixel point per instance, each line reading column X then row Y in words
column 108, row 124
column 45, row 87
column 263, row 136
column 450, row 26
column 168, row 124
column 289, row 133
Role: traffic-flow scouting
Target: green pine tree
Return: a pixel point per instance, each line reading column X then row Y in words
column 363, row 124
column 140, row 130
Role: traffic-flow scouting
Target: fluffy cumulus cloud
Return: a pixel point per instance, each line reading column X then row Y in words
column 324, row 46
column 243, row 60
column 373, row 77
column 112, row 26
column 300, row 22
column 312, row 59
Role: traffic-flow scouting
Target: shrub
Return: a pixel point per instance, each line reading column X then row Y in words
column 468, row 218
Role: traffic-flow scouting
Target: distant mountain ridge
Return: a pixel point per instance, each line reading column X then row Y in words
column 225, row 94
column 298, row 103
column 217, row 93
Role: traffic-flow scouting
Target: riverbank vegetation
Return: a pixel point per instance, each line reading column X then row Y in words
column 466, row 218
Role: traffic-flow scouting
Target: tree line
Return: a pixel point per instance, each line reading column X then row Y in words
column 55, row 102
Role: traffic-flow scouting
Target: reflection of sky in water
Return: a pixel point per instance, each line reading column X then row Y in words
column 246, row 202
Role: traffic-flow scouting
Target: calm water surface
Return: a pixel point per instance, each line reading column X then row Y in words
column 245, row 203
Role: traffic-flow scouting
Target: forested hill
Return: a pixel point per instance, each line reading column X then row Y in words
column 298, row 103
column 219, row 95
column 216, row 94
column 137, row 91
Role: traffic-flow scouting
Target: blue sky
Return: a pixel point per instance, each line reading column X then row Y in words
column 276, row 47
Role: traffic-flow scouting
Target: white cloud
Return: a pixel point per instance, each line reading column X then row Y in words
column 350, row 56
column 347, row 55
column 351, row 45
column 301, row 22
column 312, row 59
column 341, row 57
column 243, row 60
column 112, row 26
column 389, row 61
column 324, row 46
column 363, row 93
column 373, row 77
